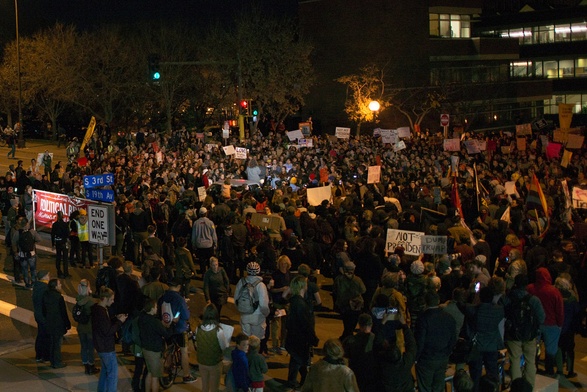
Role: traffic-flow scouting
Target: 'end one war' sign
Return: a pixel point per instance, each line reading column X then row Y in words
column 101, row 225
column 411, row 241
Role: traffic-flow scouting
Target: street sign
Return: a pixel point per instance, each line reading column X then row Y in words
column 106, row 195
column 444, row 119
column 101, row 224
column 98, row 180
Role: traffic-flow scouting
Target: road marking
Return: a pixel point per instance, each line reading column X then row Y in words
column 10, row 279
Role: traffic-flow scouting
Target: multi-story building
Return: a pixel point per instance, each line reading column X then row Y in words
column 495, row 70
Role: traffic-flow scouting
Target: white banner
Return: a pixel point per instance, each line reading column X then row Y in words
column 404, row 132
column 293, row 135
column 411, row 241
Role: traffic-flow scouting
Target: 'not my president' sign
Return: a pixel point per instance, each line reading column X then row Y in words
column 415, row 242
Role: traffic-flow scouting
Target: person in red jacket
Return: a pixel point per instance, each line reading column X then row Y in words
column 552, row 302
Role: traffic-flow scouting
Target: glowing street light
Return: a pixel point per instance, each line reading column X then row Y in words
column 374, row 106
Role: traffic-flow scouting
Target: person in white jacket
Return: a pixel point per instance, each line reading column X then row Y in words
column 253, row 323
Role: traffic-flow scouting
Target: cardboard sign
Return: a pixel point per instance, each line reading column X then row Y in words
column 482, row 145
column 225, row 133
column 553, row 150
column 452, row 144
column 266, row 221
column 579, row 197
column 510, row 188
column 404, row 132
column 524, row 129
column 211, row 147
column 521, row 143
column 575, row 141
column 305, row 142
column 567, row 155
column 202, row 193
column 293, row 135
column 506, row 149
column 343, row 133
column 229, row 150
column 240, row 153
column 411, row 241
column 434, row 245
column 199, row 135
column 374, row 174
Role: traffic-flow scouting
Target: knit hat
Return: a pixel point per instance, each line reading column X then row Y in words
column 443, row 264
column 481, row 258
column 41, row 274
column 253, row 268
column 417, row 267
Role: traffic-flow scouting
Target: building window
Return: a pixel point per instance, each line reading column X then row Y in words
column 551, row 69
column 520, row 69
column 579, row 31
column 566, row 68
column 450, row 26
column 581, row 68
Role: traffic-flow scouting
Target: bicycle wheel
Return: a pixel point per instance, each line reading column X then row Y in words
column 171, row 364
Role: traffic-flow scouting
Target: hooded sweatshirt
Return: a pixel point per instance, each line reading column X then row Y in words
column 550, row 297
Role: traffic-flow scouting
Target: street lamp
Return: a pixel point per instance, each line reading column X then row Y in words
column 374, row 107
column 21, row 142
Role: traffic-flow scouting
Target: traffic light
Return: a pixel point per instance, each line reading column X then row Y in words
column 154, row 73
column 255, row 111
column 245, row 107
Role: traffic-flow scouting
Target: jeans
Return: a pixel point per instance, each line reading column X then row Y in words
column 86, row 251
column 487, row 359
column 516, row 349
column 109, row 374
column 87, row 348
column 550, row 335
column 28, row 266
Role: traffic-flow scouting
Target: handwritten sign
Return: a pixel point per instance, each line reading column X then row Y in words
column 240, row 153
column 374, row 174
column 317, row 195
column 575, row 141
column 411, row 241
column 452, row 144
column 579, row 197
column 202, row 193
column 472, row 146
column 305, row 142
column 434, row 244
column 343, row 133
column 521, row 143
column 399, row 146
column 229, row 150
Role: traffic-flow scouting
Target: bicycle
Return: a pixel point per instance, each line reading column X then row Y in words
column 172, row 360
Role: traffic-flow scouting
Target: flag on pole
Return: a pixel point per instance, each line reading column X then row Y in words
column 89, row 134
column 536, row 196
column 456, row 199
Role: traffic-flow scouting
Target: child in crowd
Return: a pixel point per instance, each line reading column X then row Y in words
column 240, row 363
column 257, row 365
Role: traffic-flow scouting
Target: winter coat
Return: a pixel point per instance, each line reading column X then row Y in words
column 550, row 297
column 55, row 313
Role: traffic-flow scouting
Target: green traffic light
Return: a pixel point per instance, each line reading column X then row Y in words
column 156, row 76
column 255, row 112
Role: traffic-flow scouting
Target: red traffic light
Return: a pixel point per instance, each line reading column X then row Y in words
column 244, row 104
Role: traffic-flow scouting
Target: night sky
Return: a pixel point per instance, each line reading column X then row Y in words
column 87, row 14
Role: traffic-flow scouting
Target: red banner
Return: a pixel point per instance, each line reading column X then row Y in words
column 46, row 205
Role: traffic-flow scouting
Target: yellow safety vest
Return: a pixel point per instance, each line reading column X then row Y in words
column 82, row 232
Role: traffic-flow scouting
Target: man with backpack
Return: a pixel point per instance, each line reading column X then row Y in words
column 252, row 301
column 524, row 315
column 24, row 240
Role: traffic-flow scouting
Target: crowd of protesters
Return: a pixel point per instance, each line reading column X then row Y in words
column 167, row 228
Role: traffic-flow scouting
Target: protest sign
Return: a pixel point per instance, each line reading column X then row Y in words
column 579, row 197
column 293, row 135
column 374, row 174
column 575, row 141
column 553, row 150
column 434, row 244
column 201, row 193
column 471, row 146
column 521, row 143
column 524, row 129
column 266, row 221
column 452, row 144
column 317, row 195
column 411, row 241
column 343, row 133
column 229, row 150
column 404, row 132
column 567, row 155
column 240, row 153
column 399, row 146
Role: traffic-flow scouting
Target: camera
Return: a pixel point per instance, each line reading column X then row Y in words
column 477, row 287
column 391, row 311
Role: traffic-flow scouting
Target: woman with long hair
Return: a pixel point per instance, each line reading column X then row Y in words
column 331, row 372
column 211, row 341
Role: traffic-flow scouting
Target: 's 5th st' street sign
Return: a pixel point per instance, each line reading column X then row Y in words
column 98, row 180
column 106, row 195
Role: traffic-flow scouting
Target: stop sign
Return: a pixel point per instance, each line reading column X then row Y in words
column 444, row 119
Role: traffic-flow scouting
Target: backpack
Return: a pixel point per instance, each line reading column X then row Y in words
column 79, row 315
column 166, row 314
column 26, row 241
column 130, row 332
column 246, row 303
column 160, row 212
column 521, row 322
column 104, row 277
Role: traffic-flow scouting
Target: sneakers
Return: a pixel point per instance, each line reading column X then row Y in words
column 189, row 379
